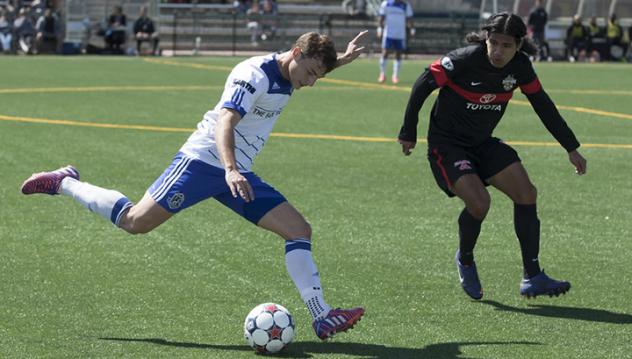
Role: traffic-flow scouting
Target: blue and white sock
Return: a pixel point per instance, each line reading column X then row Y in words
column 382, row 65
column 396, row 65
column 107, row 203
column 302, row 269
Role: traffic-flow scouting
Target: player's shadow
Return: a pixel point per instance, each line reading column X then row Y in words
column 556, row 311
column 451, row 350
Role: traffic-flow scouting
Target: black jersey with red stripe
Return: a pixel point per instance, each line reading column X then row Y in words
column 474, row 96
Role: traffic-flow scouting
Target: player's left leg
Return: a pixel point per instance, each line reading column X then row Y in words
column 397, row 63
column 287, row 222
column 514, row 182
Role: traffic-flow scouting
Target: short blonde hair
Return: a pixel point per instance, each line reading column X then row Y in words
column 317, row 46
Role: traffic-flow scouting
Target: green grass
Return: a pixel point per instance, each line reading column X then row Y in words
column 73, row 285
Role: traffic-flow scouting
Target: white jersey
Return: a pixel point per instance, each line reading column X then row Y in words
column 395, row 15
column 255, row 89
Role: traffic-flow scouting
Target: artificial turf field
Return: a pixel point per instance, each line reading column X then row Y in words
column 74, row 286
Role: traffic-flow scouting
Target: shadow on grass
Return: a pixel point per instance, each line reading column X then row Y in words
column 555, row 311
column 373, row 351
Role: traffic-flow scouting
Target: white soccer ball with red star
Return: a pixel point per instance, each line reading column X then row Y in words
column 269, row 328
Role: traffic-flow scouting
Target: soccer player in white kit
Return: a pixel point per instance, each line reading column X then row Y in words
column 216, row 162
column 395, row 17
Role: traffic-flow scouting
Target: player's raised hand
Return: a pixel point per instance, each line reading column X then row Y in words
column 239, row 185
column 353, row 49
column 578, row 161
column 407, row 146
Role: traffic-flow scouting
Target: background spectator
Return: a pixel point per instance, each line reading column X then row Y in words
column 47, row 32
column 6, row 36
column 144, row 30
column 597, row 40
column 253, row 15
column 24, row 30
column 614, row 39
column 116, row 32
column 537, row 24
column 268, row 19
column 576, row 40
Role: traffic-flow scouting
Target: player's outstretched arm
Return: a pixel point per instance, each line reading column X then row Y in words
column 353, row 50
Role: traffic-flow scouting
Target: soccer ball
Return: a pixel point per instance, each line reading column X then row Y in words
column 269, row 328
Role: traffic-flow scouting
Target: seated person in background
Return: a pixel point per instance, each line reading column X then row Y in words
column 144, row 30
column 46, row 32
column 253, row 15
column 24, row 30
column 597, row 40
column 6, row 35
column 116, row 31
column 614, row 39
column 576, row 40
column 630, row 44
column 268, row 19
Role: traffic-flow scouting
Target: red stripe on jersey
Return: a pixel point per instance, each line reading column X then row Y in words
column 439, row 73
column 532, row 87
column 481, row 98
column 444, row 174
column 476, row 97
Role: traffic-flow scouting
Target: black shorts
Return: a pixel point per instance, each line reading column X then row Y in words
column 449, row 162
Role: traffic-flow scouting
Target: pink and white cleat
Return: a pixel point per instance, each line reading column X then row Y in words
column 48, row 182
column 337, row 321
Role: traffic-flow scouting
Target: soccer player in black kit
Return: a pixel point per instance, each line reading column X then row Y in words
column 476, row 84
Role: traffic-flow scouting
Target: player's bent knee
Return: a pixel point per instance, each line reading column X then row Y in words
column 527, row 196
column 479, row 208
column 302, row 230
column 137, row 225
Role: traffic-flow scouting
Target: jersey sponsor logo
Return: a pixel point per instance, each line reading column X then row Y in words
column 463, row 165
column 509, row 83
column 176, row 200
column 487, row 107
column 265, row 114
column 475, row 83
column 447, row 63
column 245, row 85
column 487, row 98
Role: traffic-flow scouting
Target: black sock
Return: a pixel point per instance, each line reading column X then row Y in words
column 469, row 229
column 527, row 227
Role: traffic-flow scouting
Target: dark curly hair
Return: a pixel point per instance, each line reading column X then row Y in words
column 507, row 24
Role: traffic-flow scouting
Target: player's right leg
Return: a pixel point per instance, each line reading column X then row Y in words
column 471, row 190
column 456, row 175
column 110, row 204
column 104, row 202
column 383, row 60
column 286, row 221
column 144, row 216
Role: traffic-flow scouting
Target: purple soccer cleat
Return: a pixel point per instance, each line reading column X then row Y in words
column 468, row 276
column 48, row 182
column 337, row 321
column 543, row 284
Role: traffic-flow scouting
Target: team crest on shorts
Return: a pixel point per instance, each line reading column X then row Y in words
column 509, row 83
column 463, row 165
column 176, row 200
